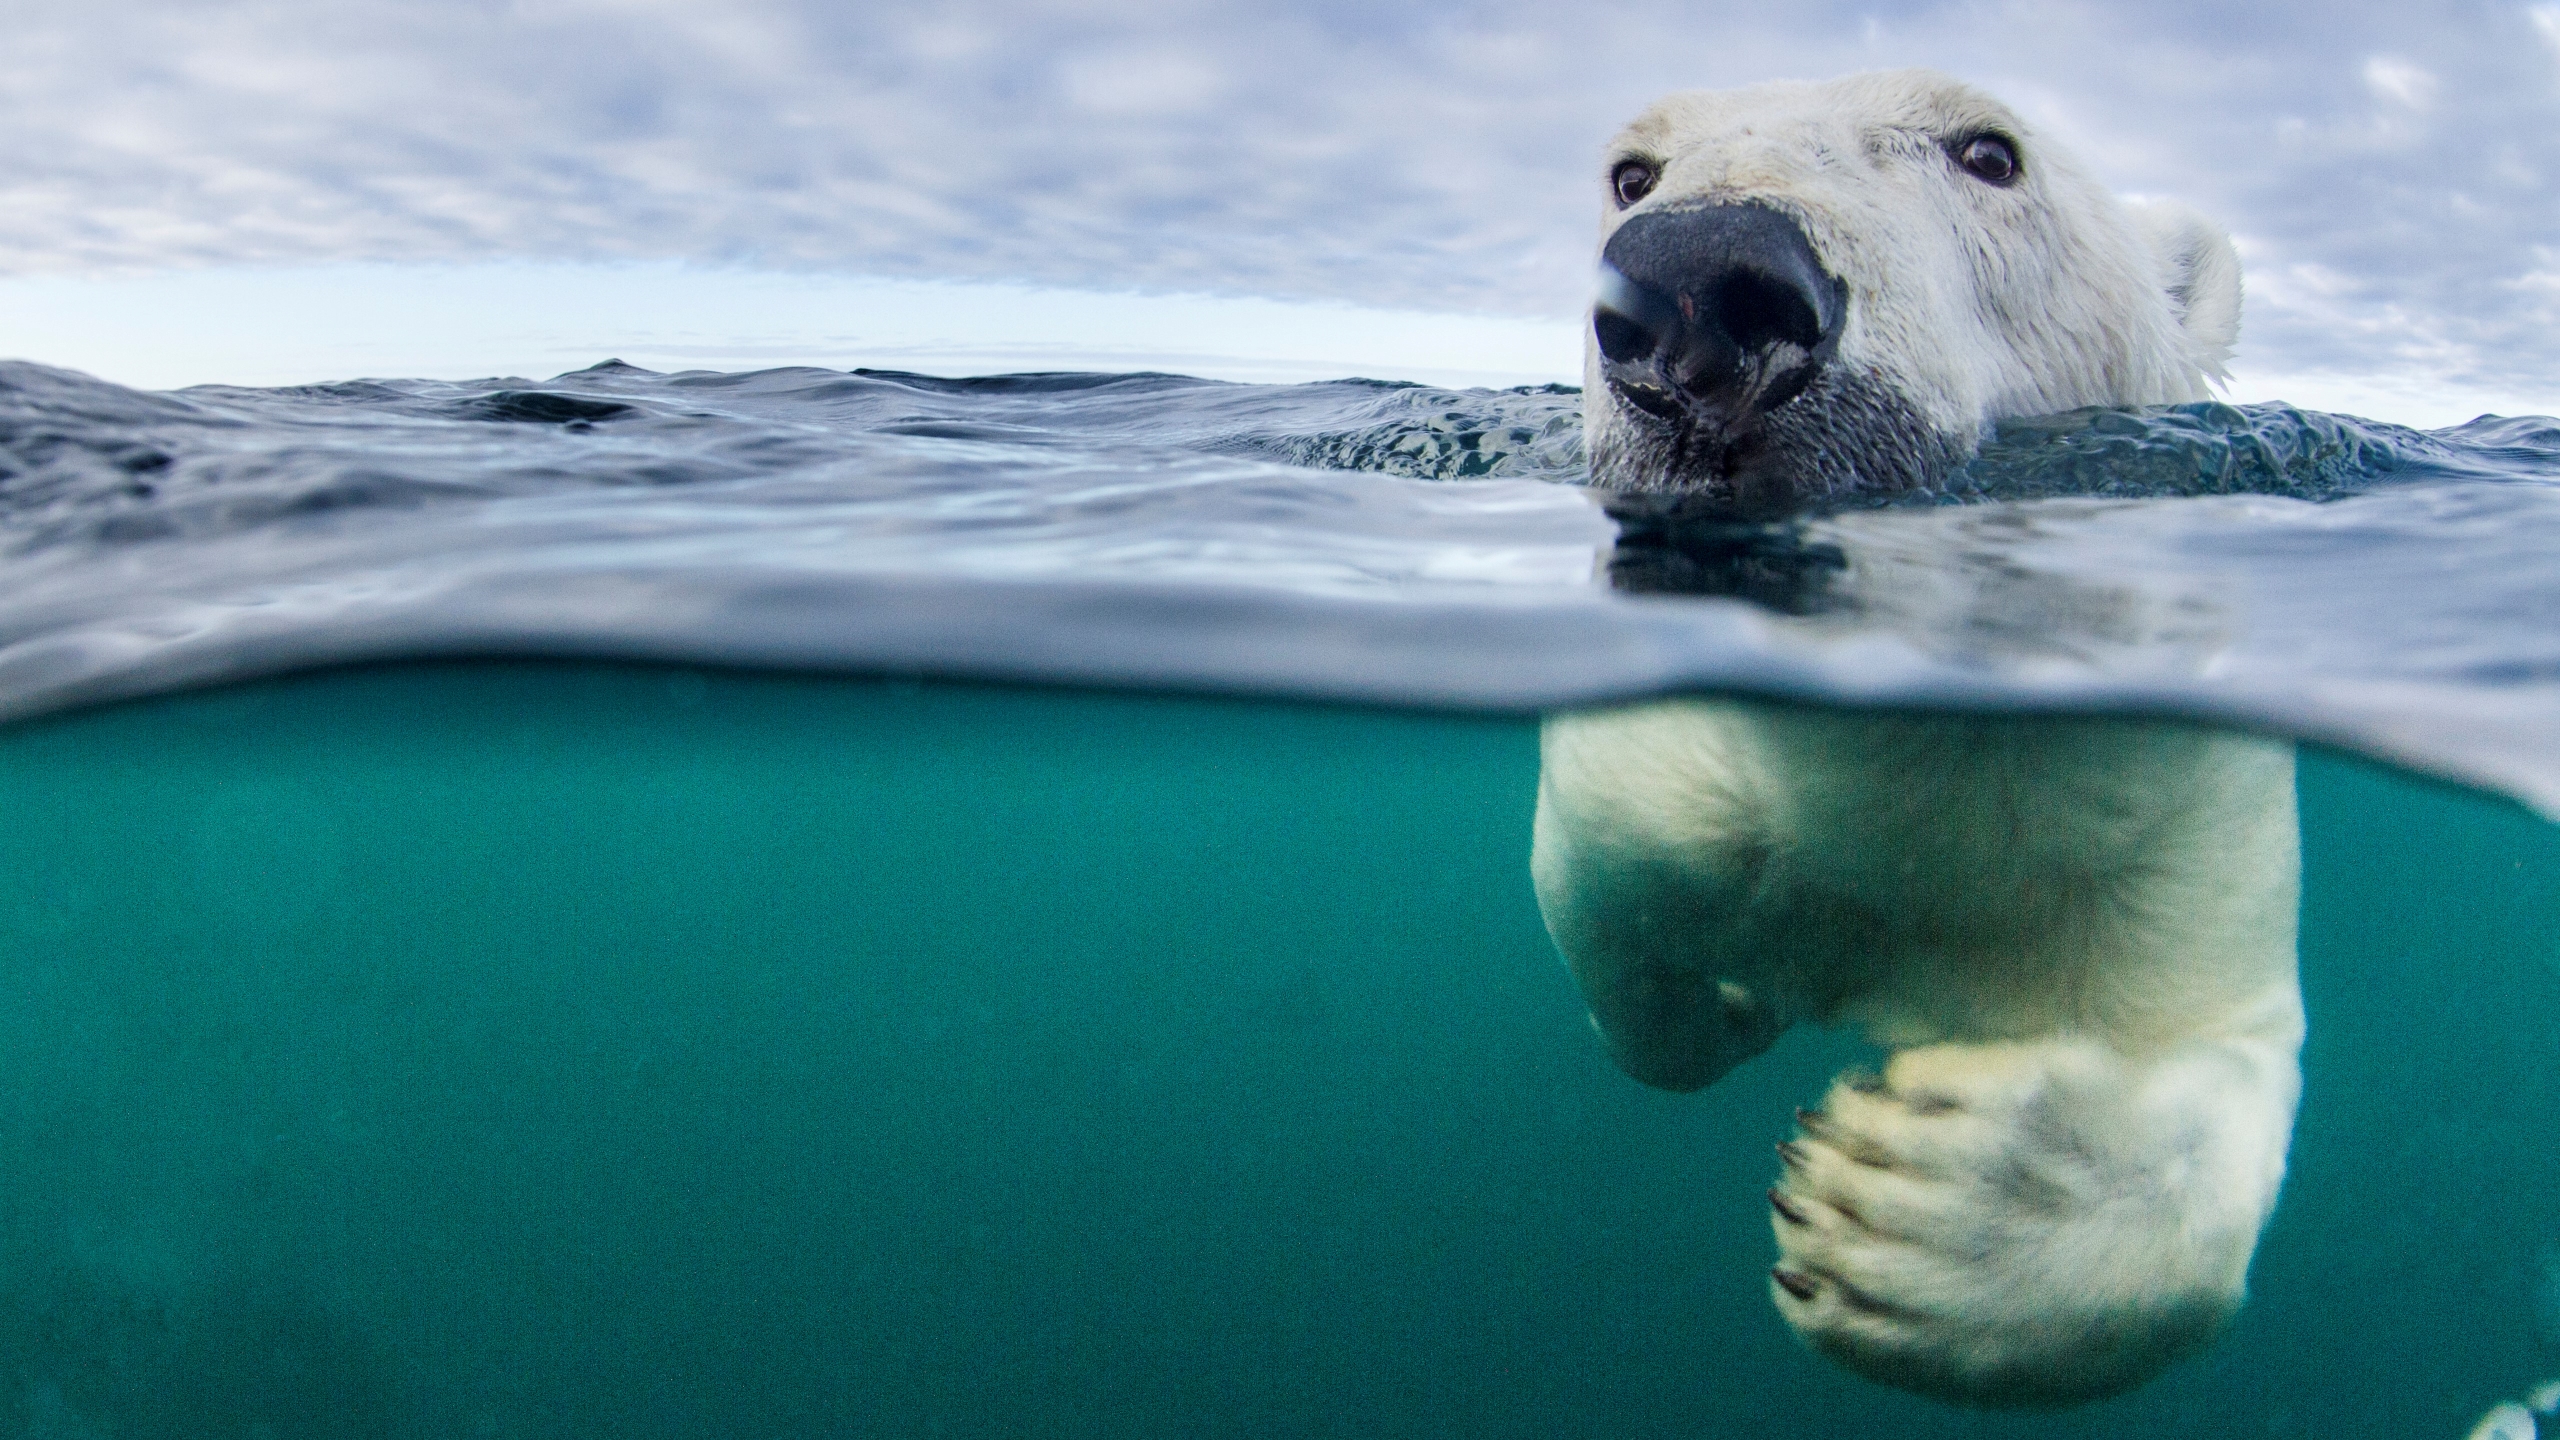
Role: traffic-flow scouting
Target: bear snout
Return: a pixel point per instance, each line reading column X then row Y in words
column 1676, row 1029
column 1712, row 316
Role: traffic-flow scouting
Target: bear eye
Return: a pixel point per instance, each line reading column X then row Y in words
column 1632, row 181
column 1991, row 158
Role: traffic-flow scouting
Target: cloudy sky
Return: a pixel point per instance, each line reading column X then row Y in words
column 200, row 190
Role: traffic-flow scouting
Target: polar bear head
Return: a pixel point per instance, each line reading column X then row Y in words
column 1814, row 290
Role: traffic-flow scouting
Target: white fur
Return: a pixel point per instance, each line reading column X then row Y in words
column 2076, row 934
column 1969, row 300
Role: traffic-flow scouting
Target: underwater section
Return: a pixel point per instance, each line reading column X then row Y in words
column 565, row 1049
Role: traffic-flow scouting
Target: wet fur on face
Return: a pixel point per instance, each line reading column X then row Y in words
column 1847, row 435
column 1967, row 301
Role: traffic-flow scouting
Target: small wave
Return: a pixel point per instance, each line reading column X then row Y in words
column 2326, row 576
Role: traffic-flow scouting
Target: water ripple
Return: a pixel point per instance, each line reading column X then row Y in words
column 2381, row 588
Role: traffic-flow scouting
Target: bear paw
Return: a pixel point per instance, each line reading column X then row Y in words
column 2028, row 1224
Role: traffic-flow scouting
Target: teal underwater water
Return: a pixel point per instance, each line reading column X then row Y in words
column 576, row 1049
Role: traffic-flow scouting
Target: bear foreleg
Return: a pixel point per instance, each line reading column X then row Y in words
column 2033, row 1223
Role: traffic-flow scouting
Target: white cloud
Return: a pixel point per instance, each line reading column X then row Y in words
column 1142, row 80
column 2544, row 278
column 1432, row 156
column 2400, row 82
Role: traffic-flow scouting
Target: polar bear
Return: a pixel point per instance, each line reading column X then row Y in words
column 2076, row 935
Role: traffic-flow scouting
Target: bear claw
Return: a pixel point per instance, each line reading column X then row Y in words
column 1779, row 1202
column 1794, row 1284
column 1793, row 1154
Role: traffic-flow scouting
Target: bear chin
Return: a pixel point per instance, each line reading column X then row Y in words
column 1849, row 435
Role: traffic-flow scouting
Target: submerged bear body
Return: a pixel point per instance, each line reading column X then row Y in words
column 2076, row 934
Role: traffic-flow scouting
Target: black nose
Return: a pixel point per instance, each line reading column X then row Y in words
column 1720, row 313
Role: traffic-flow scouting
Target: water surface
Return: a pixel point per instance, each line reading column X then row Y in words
column 2380, row 588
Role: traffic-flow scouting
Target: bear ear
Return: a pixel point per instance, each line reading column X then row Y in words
column 2201, row 272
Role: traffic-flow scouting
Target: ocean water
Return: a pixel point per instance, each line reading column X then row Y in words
column 818, row 904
